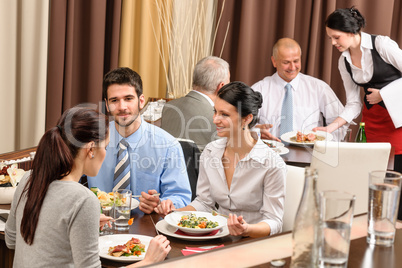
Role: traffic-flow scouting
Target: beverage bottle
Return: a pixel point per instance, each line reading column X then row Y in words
column 306, row 226
column 361, row 134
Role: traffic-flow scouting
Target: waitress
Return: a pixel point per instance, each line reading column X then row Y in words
column 374, row 63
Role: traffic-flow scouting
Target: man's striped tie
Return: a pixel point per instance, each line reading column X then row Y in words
column 287, row 111
column 122, row 170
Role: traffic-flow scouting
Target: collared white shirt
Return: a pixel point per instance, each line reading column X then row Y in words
column 391, row 94
column 206, row 97
column 257, row 190
column 312, row 99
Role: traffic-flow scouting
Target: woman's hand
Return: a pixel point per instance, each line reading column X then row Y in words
column 374, row 97
column 158, row 249
column 237, row 225
column 165, row 207
column 105, row 220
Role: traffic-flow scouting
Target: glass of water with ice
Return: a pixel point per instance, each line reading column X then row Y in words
column 336, row 216
column 384, row 192
column 122, row 208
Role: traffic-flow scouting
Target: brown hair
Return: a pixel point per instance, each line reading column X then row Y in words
column 55, row 156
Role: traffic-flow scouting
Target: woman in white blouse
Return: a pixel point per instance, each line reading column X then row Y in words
column 374, row 63
column 239, row 173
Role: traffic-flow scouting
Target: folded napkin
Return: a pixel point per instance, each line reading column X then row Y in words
column 191, row 250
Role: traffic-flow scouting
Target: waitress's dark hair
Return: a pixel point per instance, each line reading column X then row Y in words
column 55, row 156
column 244, row 98
column 348, row 20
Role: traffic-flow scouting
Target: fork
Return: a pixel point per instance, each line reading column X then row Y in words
column 154, row 224
column 215, row 213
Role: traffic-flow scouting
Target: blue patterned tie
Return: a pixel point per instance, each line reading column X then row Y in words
column 287, row 111
column 122, row 170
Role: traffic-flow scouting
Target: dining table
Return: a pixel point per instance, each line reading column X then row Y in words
column 238, row 251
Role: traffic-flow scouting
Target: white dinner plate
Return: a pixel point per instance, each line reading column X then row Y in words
column 107, row 241
column 134, row 203
column 290, row 137
column 277, row 147
column 281, row 150
column 174, row 218
column 274, row 144
column 163, row 227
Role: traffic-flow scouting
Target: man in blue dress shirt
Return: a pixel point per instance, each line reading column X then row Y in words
column 156, row 158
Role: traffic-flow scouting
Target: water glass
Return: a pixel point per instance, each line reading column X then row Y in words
column 106, row 208
column 122, row 209
column 384, row 192
column 336, row 216
column 348, row 136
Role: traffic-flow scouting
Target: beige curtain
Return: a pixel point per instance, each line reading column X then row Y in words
column 191, row 39
column 23, row 54
column 142, row 42
column 163, row 40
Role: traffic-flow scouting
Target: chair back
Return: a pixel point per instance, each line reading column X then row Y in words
column 192, row 157
column 345, row 166
column 294, row 191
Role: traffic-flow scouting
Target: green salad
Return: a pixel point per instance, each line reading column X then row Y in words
column 192, row 221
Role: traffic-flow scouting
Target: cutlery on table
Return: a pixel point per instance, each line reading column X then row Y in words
column 154, row 224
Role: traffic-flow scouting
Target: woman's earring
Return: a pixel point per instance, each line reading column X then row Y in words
column 244, row 128
column 92, row 156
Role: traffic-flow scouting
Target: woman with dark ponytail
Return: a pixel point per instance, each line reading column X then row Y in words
column 54, row 220
column 239, row 173
column 373, row 62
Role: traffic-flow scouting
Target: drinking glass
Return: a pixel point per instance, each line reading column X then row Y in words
column 348, row 136
column 336, row 215
column 122, row 209
column 106, row 208
column 384, row 192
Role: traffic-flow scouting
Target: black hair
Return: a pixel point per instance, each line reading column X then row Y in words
column 244, row 98
column 122, row 76
column 348, row 20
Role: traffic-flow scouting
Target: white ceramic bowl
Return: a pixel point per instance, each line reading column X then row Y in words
column 174, row 218
column 7, row 194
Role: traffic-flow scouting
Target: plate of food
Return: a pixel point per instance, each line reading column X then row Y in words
column 10, row 175
column 276, row 146
column 108, row 198
column 306, row 137
column 166, row 229
column 195, row 222
column 124, row 247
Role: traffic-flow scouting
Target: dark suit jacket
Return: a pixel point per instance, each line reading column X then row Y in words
column 190, row 117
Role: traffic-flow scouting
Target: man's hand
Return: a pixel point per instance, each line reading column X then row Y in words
column 148, row 202
column 374, row 97
column 265, row 134
column 165, row 207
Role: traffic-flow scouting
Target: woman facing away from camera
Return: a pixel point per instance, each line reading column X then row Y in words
column 54, row 220
column 239, row 172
